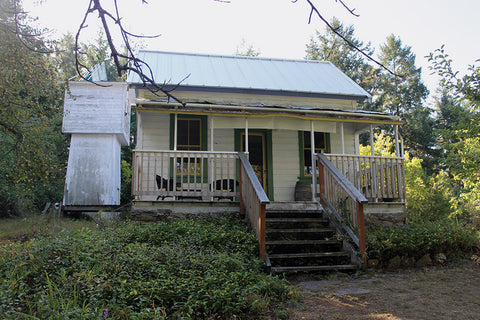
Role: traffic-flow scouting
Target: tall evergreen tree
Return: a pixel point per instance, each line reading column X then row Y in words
column 329, row 47
column 403, row 94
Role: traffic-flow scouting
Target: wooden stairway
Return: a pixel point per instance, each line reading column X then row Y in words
column 299, row 237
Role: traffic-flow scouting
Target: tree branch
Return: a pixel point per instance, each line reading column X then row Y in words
column 314, row 10
column 131, row 62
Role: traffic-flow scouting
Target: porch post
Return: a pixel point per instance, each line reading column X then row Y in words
column 175, row 133
column 397, row 146
column 212, row 180
column 371, row 139
column 312, row 145
column 211, row 133
column 342, row 137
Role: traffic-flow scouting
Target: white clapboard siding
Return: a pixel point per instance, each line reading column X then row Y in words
column 155, row 131
column 89, row 108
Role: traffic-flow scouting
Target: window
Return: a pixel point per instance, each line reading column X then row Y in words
column 189, row 134
column 306, row 149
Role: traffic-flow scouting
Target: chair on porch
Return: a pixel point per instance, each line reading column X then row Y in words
column 166, row 185
column 225, row 185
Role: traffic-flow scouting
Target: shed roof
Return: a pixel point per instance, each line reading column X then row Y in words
column 248, row 74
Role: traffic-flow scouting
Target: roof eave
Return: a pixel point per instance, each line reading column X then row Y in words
column 328, row 95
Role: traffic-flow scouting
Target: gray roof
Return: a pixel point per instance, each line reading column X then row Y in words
column 246, row 74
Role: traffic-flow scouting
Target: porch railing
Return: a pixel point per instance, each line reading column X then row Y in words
column 378, row 178
column 201, row 175
column 253, row 201
column 342, row 200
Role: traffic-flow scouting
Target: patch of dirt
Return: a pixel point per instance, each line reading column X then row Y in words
column 440, row 293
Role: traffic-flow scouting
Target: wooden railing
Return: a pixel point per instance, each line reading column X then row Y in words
column 342, row 200
column 177, row 175
column 253, row 201
column 378, row 178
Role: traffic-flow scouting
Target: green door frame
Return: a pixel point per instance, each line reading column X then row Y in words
column 268, row 154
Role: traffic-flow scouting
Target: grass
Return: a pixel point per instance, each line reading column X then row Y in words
column 23, row 229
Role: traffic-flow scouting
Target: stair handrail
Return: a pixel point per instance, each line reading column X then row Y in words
column 253, row 201
column 325, row 168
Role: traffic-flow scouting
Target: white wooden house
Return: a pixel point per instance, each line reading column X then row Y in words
column 246, row 132
column 277, row 102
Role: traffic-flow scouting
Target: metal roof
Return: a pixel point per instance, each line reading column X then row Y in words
column 234, row 73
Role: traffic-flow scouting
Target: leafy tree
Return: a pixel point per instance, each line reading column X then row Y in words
column 459, row 120
column 466, row 88
column 92, row 54
column 402, row 94
column 32, row 149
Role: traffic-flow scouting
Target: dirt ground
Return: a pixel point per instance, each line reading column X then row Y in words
column 436, row 293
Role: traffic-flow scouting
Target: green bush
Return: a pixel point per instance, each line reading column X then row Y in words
column 178, row 269
column 417, row 240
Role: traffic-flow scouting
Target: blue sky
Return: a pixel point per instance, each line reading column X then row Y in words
column 279, row 28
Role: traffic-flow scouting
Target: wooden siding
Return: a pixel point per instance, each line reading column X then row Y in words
column 223, row 139
column 349, row 140
column 93, row 109
column 155, row 133
column 93, row 172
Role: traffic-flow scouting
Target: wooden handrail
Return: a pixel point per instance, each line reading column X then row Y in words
column 342, row 180
column 253, row 201
column 329, row 178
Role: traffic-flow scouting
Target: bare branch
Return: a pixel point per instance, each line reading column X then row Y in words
column 348, row 8
column 123, row 62
column 313, row 9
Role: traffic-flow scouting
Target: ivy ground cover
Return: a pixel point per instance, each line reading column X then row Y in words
column 177, row 269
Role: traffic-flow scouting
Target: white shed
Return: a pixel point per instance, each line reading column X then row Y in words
column 98, row 119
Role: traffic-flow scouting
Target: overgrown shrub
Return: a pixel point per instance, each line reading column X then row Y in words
column 417, row 240
column 178, row 269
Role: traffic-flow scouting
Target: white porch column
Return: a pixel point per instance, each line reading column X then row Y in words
column 312, row 158
column 212, row 178
column 246, row 136
column 371, row 140
column 397, row 146
column 211, row 133
column 342, row 137
column 175, row 133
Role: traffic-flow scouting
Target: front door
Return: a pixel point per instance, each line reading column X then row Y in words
column 257, row 155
